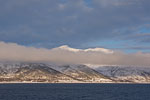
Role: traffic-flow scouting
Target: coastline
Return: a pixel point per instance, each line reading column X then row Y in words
column 71, row 83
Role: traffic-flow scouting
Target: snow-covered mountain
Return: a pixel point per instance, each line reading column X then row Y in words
column 82, row 73
column 39, row 72
column 133, row 74
column 30, row 72
column 52, row 73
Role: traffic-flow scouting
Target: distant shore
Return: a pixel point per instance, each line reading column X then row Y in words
column 70, row 83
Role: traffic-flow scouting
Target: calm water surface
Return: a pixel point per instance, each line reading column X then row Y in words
column 74, row 91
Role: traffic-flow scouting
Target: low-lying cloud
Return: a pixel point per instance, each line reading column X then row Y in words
column 67, row 55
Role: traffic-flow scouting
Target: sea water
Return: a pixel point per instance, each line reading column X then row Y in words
column 74, row 91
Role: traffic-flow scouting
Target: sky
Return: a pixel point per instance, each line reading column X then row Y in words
column 118, row 25
column 115, row 24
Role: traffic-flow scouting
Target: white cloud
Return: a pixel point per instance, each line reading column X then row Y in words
column 67, row 48
column 65, row 54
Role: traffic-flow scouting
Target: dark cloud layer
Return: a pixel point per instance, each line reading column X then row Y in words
column 51, row 23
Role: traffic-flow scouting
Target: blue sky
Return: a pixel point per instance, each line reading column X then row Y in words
column 115, row 24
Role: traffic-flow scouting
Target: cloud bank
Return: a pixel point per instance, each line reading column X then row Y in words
column 67, row 55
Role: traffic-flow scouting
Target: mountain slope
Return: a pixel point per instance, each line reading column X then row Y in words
column 39, row 72
column 126, row 73
column 82, row 73
column 31, row 72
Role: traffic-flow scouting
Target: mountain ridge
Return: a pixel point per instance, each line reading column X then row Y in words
column 50, row 73
column 39, row 72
